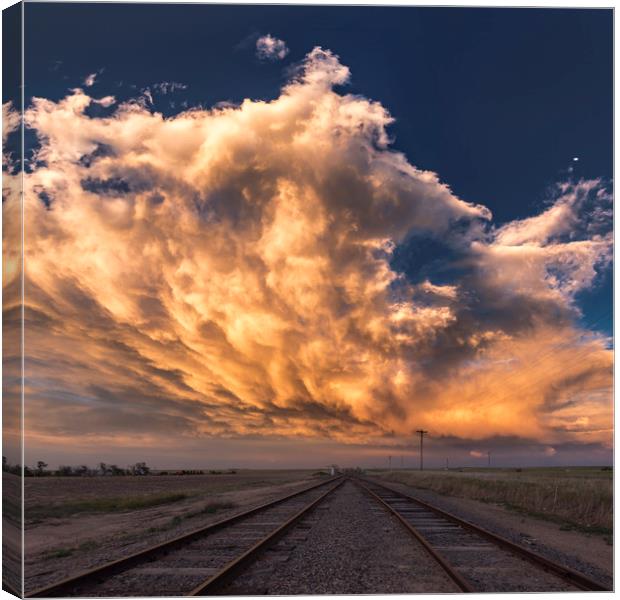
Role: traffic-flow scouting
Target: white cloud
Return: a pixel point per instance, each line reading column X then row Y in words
column 270, row 48
column 565, row 246
column 574, row 203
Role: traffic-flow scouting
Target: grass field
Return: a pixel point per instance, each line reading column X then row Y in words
column 575, row 497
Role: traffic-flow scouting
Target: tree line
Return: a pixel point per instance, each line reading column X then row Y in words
column 103, row 469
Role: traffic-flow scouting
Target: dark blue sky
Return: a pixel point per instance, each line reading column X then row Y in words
column 497, row 101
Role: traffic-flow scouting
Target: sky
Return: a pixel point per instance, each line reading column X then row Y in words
column 291, row 236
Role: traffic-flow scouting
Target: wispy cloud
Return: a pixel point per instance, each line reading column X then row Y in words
column 270, row 48
column 229, row 272
column 168, row 87
column 89, row 80
column 163, row 88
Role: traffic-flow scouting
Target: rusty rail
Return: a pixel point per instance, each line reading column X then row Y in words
column 65, row 587
column 573, row 577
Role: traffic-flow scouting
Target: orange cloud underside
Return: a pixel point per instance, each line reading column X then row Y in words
column 239, row 284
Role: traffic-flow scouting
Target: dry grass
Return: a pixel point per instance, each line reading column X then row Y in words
column 209, row 509
column 580, row 498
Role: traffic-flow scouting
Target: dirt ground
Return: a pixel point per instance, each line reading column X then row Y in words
column 11, row 531
column 56, row 490
column 59, row 547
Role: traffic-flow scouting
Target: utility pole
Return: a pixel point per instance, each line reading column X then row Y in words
column 422, row 434
column 489, row 455
column 447, row 467
column 390, row 463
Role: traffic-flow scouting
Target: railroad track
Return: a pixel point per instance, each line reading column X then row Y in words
column 476, row 559
column 200, row 562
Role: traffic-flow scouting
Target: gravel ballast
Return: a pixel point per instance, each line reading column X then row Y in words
column 349, row 545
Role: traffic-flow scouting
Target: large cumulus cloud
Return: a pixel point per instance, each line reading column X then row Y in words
column 230, row 272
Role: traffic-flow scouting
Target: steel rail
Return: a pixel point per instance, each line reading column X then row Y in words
column 215, row 583
column 463, row 585
column 575, row 578
column 65, row 586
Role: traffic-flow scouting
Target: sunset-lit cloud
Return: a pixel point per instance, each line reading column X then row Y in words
column 11, row 286
column 229, row 272
column 10, row 120
column 270, row 48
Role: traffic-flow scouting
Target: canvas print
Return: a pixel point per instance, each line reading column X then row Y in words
column 306, row 299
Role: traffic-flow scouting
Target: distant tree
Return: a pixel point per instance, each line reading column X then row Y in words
column 116, row 470
column 14, row 469
column 104, row 468
column 139, row 468
column 28, row 472
column 82, row 470
column 41, row 466
column 64, row 471
column 5, row 464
